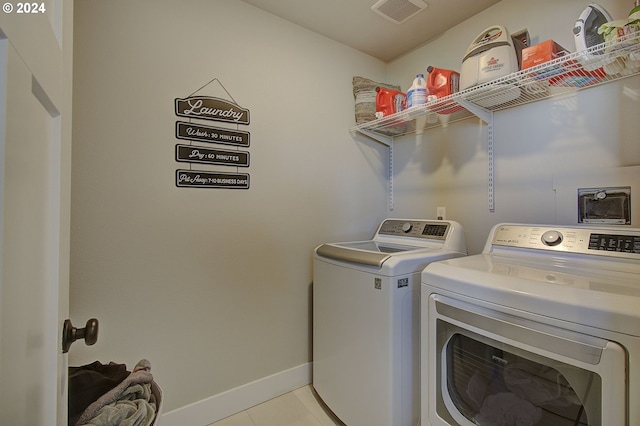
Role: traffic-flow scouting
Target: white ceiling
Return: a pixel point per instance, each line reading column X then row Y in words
column 352, row 22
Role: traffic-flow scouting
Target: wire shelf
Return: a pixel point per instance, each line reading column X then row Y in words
column 606, row 62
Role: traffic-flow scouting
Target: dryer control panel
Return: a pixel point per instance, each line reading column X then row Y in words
column 616, row 242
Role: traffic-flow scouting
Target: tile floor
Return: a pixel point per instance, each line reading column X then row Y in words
column 297, row 408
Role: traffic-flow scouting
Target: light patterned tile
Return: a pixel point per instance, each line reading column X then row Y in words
column 285, row 410
column 240, row 419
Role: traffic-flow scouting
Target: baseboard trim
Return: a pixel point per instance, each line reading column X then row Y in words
column 233, row 401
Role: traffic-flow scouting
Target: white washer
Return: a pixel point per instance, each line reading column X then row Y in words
column 366, row 297
column 542, row 328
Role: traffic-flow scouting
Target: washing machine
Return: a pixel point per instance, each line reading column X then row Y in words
column 366, row 297
column 541, row 329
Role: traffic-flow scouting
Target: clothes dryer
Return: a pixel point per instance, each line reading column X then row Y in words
column 366, row 319
column 541, row 329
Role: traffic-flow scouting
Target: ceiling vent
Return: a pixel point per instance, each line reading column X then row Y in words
column 398, row 11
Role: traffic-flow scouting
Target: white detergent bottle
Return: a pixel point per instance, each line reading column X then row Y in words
column 417, row 94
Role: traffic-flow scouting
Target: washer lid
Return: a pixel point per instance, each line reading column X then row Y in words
column 370, row 252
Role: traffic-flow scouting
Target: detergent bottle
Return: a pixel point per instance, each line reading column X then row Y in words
column 442, row 83
column 389, row 101
column 417, row 94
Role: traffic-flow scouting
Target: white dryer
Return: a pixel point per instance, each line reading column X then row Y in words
column 541, row 329
column 366, row 297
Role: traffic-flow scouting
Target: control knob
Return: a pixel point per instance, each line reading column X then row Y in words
column 552, row 238
column 407, row 227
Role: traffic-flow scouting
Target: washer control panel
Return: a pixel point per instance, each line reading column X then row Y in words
column 433, row 230
column 609, row 242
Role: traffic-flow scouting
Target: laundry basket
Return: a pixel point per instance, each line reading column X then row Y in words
column 108, row 394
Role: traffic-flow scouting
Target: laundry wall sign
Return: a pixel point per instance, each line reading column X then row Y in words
column 210, row 108
column 204, row 179
column 196, row 154
column 210, row 134
column 192, row 132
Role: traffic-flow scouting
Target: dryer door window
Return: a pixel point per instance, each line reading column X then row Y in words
column 490, row 385
column 499, row 369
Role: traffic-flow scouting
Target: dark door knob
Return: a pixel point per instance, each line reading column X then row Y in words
column 70, row 334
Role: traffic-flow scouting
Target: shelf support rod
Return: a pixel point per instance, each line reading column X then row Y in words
column 385, row 140
column 391, row 205
column 388, row 141
column 490, row 176
column 485, row 115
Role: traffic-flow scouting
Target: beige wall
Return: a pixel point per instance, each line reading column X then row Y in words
column 211, row 285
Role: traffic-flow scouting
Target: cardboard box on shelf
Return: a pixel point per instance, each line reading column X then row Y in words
column 544, row 51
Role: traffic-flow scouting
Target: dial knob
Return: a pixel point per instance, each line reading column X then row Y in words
column 552, row 238
column 600, row 195
column 407, row 227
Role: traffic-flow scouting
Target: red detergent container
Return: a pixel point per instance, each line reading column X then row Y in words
column 389, row 101
column 442, row 83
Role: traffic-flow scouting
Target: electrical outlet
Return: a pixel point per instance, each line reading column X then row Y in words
column 441, row 213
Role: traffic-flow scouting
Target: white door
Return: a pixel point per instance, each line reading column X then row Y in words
column 35, row 155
